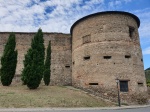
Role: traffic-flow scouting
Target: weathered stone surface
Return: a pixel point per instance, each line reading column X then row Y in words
column 110, row 36
column 103, row 47
column 61, row 54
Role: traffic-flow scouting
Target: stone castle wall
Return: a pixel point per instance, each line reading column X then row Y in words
column 106, row 47
column 61, row 54
column 102, row 47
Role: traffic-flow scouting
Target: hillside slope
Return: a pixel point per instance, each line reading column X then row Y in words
column 18, row 96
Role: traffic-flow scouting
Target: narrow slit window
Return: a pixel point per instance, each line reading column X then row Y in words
column 67, row 66
column 127, row 56
column 93, row 83
column 86, row 57
column 107, row 57
column 142, row 60
column 131, row 31
column 140, row 84
column 124, row 86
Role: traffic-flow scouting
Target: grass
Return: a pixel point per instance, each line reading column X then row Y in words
column 19, row 96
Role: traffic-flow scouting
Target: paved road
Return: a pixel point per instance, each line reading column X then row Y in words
column 145, row 109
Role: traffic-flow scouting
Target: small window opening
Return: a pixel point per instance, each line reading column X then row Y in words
column 140, row 84
column 107, row 57
column 124, row 86
column 131, row 31
column 127, row 56
column 93, row 83
column 67, row 66
column 142, row 60
column 86, row 57
column 73, row 63
column 86, row 39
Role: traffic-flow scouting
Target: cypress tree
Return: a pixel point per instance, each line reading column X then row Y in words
column 47, row 70
column 34, row 62
column 27, row 63
column 9, row 61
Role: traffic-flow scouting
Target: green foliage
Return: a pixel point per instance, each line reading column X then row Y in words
column 27, row 63
column 0, row 72
column 34, row 62
column 9, row 61
column 147, row 75
column 47, row 70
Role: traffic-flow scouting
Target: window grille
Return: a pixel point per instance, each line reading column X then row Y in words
column 124, row 86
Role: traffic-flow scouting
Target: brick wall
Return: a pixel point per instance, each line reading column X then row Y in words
column 112, row 51
column 61, row 54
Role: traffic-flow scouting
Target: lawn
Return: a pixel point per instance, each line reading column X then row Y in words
column 19, row 96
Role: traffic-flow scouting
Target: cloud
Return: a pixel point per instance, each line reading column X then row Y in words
column 114, row 4
column 50, row 15
column 146, row 51
column 144, row 16
column 57, row 15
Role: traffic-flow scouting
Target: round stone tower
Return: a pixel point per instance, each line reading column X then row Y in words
column 106, row 47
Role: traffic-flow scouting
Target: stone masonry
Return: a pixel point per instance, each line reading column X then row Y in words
column 106, row 47
column 61, row 54
column 102, row 47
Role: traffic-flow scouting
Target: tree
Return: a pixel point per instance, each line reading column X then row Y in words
column 147, row 75
column 34, row 62
column 47, row 70
column 9, row 61
column 27, row 63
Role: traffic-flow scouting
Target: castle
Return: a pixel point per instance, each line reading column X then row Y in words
column 101, row 48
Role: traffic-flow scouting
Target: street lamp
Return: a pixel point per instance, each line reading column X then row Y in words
column 117, row 81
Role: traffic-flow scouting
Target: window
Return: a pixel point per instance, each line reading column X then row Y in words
column 67, row 66
column 93, row 83
column 140, row 84
column 86, row 39
column 124, row 86
column 127, row 56
column 86, row 57
column 142, row 60
column 107, row 57
column 131, row 31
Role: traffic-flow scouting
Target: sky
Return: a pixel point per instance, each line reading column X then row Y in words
column 59, row 15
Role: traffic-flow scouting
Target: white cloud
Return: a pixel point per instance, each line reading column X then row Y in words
column 29, row 15
column 115, row 4
column 144, row 16
column 146, row 51
column 25, row 16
